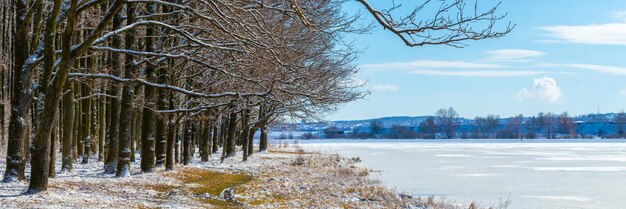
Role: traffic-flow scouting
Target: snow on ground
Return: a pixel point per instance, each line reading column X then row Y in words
column 87, row 186
column 280, row 178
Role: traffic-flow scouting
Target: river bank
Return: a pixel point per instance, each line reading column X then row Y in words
column 284, row 177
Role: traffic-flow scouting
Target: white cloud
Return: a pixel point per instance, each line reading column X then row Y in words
column 512, row 55
column 427, row 64
column 385, row 87
column 600, row 68
column 619, row 16
column 605, row 34
column 478, row 73
column 544, row 89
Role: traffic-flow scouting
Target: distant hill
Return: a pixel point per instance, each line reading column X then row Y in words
column 347, row 125
column 590, row 124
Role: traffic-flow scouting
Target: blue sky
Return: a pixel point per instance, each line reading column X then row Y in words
column 564, row 55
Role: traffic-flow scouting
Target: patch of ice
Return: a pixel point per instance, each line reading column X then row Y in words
column 597, row 169
column 587, row 158
column 477, row 174
column 505, row 166
column 563, row 198
column 453, row 155
column 450, row 167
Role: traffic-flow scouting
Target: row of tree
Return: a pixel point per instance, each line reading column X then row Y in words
column 171, row 78
column 446, row 124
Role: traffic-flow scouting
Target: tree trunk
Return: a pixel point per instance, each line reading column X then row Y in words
column 177, row 145
column 206, row 141
column 215, row 146
column 7, row 14
column 263, row 125
column 161, row 123
column 113, row 131
column 101, row 124
column 186, row 142
column 244, row 133
column 251, row 133
column 86, row 123
column 263, row 141
column 148, row 121
column 76, row 125
column 68, row 125
column 230, row 141
column 192, row 138
column 124, row 155
column 171, row 137
column 40, row 150
column 134, row 130
column 53, row 149
column 21, row 96
column 124, row 149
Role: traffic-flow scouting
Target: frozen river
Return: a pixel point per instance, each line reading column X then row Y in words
column 545, row 174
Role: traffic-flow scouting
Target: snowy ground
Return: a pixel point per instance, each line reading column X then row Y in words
column 282, row 178
column 550, row 174
column 87, row 186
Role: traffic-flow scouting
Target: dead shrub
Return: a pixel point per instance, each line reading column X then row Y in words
column 298, row 161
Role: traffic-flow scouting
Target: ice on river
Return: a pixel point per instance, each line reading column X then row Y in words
column 542, row 174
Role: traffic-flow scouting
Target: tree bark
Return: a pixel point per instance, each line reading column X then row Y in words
column 186, row 142
column 161, row 123
column 101, row 124
column 251, row 133
column 113, row 131
column 21, row 96
column 214, row 138
column 124, row 149
column 206, row 141
column 86, row 115
column 53, row 149
column 263, row 141
column 68, row 125
column 148, row 121
column 171, row 137
column 230, row 141
column 244, row 133
column 40, row 150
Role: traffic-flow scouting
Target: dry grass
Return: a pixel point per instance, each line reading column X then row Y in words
column 206, row 185
column 210, row 182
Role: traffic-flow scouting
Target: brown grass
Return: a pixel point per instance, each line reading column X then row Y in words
column 201, row 181
column 210, row 182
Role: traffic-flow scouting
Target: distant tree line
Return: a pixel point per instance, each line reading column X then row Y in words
column 446, row 124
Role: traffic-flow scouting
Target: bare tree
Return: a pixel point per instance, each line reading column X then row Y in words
column 447, row 121
column 487, row 125
column 376, row 127
column 428, row 128
column 620, row 120
column 566, row 126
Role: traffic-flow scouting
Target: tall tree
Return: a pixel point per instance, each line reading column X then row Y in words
column 128, row 94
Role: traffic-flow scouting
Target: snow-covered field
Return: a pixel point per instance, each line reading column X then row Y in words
column 546, row 174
